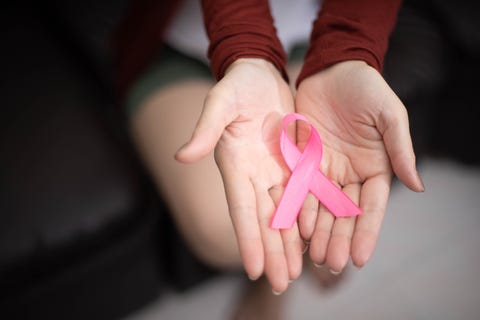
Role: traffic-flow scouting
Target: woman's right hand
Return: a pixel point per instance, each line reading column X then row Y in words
column 241, row 120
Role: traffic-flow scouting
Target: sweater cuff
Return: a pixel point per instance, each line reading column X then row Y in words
column 350, row 30
column 241, row 29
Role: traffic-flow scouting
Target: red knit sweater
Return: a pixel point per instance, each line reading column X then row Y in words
column 343, row 30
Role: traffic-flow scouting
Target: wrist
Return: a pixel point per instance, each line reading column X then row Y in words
column 260, row 63
column 344, row 66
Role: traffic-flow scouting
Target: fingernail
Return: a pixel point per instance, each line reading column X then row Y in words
column 253, row 278
column 291, row 280
column 318, row 265
column 422, row 185
column 276, row 292
column 305, row 249
column 183, row 146
column 335, row 273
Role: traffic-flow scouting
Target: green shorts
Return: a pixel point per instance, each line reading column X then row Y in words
column 171, row 67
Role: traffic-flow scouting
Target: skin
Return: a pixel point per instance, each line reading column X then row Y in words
column 364, row 128
column 241, row 122
column 365, row 132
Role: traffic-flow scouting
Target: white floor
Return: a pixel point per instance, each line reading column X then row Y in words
column 426, row 265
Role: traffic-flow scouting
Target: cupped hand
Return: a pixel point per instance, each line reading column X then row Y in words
column 366, row 139
column 241, row 120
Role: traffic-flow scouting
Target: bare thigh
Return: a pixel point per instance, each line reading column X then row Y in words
column 194, row 192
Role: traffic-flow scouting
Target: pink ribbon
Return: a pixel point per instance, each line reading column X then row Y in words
column 306, row 177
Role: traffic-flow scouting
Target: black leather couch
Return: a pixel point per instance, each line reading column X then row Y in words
column 80, row 223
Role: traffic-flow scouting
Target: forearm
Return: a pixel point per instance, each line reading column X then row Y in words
column 350, row 30
column 241, row 29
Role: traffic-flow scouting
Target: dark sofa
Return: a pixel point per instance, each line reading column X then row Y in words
column 80, row 222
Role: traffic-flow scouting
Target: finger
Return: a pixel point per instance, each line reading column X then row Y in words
column 394, row 126
column 276, row 267
column 373, row 200
column 294, row 248
column 308, row 217
column 241, row 200
column 293, row 244
column 338, row 252
column 321, row 236
column 215, row 117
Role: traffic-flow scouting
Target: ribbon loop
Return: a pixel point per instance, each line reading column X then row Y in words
column 306, row 176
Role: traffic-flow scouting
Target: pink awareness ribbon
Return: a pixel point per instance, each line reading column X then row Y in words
column 306, row 176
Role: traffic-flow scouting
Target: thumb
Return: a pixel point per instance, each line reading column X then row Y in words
column 208, row 130
column 394, row 125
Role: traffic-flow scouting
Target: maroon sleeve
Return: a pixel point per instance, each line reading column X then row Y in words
column 240, row 29
column 350, row 30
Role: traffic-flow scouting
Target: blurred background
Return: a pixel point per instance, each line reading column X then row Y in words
column 82, row 228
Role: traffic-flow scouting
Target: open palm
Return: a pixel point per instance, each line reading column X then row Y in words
column 241, row 119
column 365, row 133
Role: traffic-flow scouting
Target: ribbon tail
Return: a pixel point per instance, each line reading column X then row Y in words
column 334, row 199
column 291, row 201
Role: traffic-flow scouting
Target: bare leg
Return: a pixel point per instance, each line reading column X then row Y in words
column 193, row 192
